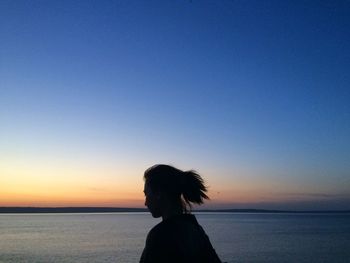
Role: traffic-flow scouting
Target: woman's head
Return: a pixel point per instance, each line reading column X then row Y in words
column 167, row 185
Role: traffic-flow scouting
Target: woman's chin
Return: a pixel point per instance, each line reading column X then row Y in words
column 155, row 215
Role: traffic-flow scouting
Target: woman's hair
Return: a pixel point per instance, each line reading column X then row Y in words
column 183, row 187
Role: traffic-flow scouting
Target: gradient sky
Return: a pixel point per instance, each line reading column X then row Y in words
column 254, row 95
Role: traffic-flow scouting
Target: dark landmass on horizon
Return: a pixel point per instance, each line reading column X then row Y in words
column 22, row 210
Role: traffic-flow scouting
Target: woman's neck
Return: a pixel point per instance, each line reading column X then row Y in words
column 169, row 212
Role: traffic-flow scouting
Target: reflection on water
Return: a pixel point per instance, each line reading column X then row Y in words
column 120, row 237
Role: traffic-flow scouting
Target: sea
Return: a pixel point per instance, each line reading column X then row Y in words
column 120, row 237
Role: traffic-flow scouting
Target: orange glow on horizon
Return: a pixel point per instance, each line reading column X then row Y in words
column 57, row 184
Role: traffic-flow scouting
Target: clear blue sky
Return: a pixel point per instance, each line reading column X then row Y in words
column 255, row 95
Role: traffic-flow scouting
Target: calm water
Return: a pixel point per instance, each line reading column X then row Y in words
column 120, row 237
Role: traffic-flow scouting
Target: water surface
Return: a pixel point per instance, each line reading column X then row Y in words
column 120, row 237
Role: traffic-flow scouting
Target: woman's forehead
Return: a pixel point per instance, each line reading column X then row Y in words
column 146, row 188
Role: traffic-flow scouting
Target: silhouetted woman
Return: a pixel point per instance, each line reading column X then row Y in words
column 178, row 238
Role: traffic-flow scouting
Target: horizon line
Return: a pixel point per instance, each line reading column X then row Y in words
column 93, row 209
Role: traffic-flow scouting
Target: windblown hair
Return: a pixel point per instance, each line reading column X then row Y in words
column 182, row 187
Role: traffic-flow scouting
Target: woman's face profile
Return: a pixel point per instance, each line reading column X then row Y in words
column 152, row 201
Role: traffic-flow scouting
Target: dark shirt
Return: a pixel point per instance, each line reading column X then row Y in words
column 178, row 239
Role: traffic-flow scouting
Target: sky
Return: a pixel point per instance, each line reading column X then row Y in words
column 253, row 95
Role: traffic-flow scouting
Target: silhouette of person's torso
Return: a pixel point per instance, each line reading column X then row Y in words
column 178, row 239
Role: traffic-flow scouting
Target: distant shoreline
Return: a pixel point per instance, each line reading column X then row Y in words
column 25, row 210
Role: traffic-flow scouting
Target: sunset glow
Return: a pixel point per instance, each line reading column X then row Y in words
column 92, row 94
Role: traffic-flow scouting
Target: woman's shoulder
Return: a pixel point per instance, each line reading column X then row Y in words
column 157, row 232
